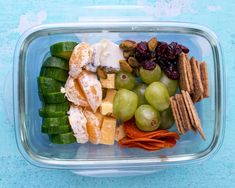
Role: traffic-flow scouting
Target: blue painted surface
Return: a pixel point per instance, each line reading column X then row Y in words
column 16, row 16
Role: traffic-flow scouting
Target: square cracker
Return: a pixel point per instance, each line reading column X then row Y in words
column 197, row 83
column 189, row 75
column 176, row 115
column 187, row 105
column 182, row 67
column 196, row 119
column 199, row 69
column 204, row 78
column 183, row 112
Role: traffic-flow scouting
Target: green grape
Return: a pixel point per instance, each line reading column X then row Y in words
column 124, row 104
column 147, row 118
column 157, row 95
column 170, row 84
column 125, row 80
column 149, row 76
column 139, row 90
column 167, row 119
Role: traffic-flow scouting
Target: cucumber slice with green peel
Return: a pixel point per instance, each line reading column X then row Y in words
column 55, row 73
column 63, row 120
column 55, row 129
column 56, row 63
column 65, row 138
column 52, row 98
column 63, row 49
column 54, row 110
column 44, row 113
column 48, row 85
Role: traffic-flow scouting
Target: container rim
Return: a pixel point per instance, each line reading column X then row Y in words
column 118, row 163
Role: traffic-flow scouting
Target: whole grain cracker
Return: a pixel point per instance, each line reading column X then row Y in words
column 183, row 112
column 205, row 80
column 199, row 69
column 187, row 105
column 176, row 114
column 197, row 83
column 196, row 119
column 182, row 67
column 189, row 74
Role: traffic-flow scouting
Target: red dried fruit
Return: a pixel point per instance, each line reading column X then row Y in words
column 149, row 65
column 178, row 48
column 142, row 47
column 171, row 71
column 162, row 49
column 172, row 74
column 142, row 52
column 165, row 55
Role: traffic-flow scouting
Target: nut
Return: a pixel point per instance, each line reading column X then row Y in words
column 133, row 62
column 152, row 44
column 125, row 66
column 128, row 45
column 128, row 53
column 102, row 72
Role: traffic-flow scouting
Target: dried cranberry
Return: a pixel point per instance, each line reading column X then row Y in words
column 162, row 63
column 149, row 65
column 172, row 72
column 167, row 57
column 142, row 53
column 142, row 47
column 179, row 48
column 153, row 54
column 170, row 53
column 161, row 49
column 184, row 49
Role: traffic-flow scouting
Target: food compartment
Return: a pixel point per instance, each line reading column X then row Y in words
column 189, row 144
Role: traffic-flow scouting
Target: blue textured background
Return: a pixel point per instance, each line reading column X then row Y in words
column 16, row 16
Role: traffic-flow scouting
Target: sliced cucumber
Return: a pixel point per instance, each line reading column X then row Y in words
column 44, row 113
column 52, row 98
column 48, row 85
column 55, row 73
column 66, row 138
column 63, row 49
column 56, row 121
column 56, row 63
column 54, row 110
column 55, row 129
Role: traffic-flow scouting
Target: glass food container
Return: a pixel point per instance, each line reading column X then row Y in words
column 101, row 160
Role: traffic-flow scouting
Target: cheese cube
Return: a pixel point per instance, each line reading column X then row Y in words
column 106, row 107
column 108, row 131
column 120, row 133
column 109, row 82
